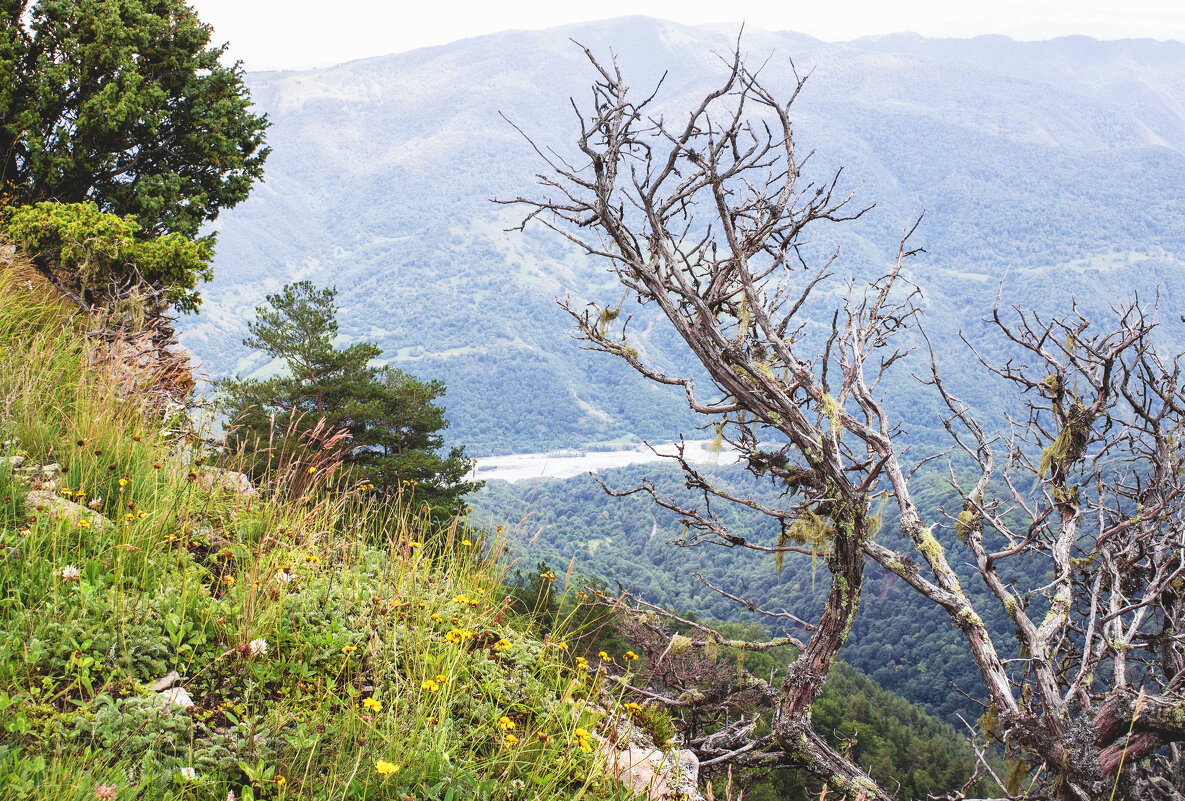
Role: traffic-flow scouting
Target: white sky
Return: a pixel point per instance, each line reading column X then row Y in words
column 283, row 34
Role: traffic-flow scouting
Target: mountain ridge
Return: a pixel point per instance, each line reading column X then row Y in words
column 392, row 161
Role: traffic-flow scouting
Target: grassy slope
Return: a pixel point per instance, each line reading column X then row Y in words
column 360, row 670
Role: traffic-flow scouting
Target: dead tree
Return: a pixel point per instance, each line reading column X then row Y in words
column 707, row 218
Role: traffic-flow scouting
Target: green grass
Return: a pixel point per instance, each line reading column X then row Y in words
column 387, row 643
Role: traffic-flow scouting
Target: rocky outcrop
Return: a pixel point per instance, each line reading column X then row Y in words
column 216, row 478
column 45, row 502
column 648, row 770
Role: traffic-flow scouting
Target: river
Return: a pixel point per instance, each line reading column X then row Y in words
column 566, row 464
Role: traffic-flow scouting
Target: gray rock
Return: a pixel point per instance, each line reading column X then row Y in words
column 216, row 478
column 58, row 508
column 11, row 462
column 176, row 696
column 166, row 681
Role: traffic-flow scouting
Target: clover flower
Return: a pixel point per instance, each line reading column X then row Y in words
column 104, row 792
column 257, row 647
column 70, row 573
column 284, row 577
column 189, row 774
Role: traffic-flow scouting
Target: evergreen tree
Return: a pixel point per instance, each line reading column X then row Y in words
column 393, row 424
column 124, row 103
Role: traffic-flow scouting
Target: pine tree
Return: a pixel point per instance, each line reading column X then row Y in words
column 393, row 424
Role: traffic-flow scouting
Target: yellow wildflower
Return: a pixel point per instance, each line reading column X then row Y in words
column 349, row 649
column 457, row 635
column 372, row 704
column 629, row 656
column 502, row 645
column 632, row 707
column 123, row 482
column 443, row 679
column 505, row 723
column 582, row 739
column 429, row 685
column 466, row 543
column 581, row 663
column 129, row 517
column 605, row 657
column 280, row 781
column 312, row 469
column 384, row 768
column 229, row 580
column 511, row 740
column 84, row 523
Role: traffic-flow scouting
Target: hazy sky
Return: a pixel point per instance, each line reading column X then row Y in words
column 270, row 34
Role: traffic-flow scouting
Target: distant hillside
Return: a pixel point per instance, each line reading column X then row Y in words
column 1060, row 164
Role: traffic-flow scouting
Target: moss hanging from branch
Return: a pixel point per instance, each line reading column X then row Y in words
column 1070, row 443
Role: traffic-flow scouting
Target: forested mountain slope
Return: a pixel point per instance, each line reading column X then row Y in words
column 1059, row 165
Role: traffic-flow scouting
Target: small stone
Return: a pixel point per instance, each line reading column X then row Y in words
column 166, row 681
column 176, row 696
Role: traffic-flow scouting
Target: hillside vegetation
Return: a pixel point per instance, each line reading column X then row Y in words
column 302, row 644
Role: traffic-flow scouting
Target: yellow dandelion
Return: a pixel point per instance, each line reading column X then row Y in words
column 384, row 768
